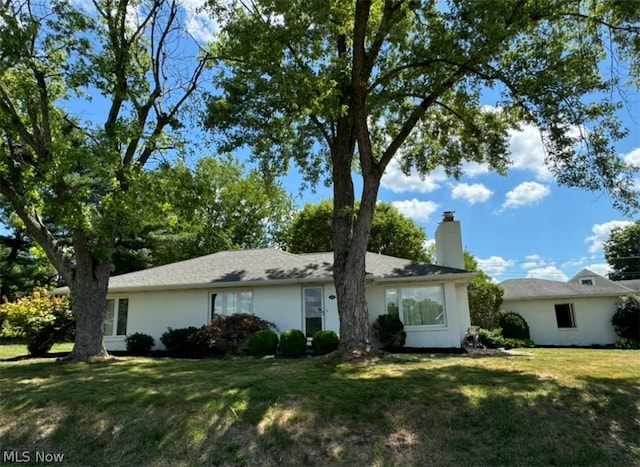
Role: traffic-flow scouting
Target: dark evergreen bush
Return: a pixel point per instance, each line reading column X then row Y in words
column 139, row 343
column 492, row 339
column 293, row 343
column 626, row 321
column 263, row 342
column 389, row 332
column 514, row 326
column 178, row 343
column 324, row 342
column 230, row 334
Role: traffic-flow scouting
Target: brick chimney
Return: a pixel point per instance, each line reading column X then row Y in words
column 449, row 242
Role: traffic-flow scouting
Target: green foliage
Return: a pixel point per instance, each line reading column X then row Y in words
column 263, row 342
column 389, row 331
column 43, row 319
column 139, row 343
column 625, row 343
column 485, row 297
column 622, row 252
column 491, row 338
column 229, row 334
column 178, row 344
column 391, row 233
column 293, row 343
column 514, row 326
column 324, row 342
column 626, row 319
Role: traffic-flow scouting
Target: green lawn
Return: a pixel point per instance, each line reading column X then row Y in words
column 543, row 407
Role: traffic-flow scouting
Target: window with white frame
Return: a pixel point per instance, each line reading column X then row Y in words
column 115, row 321
column 230, row 303
column 417, row 306
column 565, row 317
column 587, row 281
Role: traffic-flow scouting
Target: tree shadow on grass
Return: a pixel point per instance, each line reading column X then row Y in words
column 170, row 412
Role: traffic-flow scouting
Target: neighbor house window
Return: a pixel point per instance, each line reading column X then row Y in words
column 588, row 281
column 565, row 316
column 115, row 321
column 230, row 303
column 417, row 306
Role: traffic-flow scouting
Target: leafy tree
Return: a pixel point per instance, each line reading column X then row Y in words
column 626, row 319
column 485, row 296
column 214, row 206
column 354, row 84
column 391, row 233
column 41, row 318
column 89, row 178
column 622, row 252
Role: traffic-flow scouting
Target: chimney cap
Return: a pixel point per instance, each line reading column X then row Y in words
column 447, row 216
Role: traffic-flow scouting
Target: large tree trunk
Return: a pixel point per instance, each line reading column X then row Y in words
column 89, row 301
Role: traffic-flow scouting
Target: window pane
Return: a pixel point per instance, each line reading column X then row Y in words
column 564, row 315
column 230, row 305
column 216, row 305
column 391, row 299
column 123, row 310
column 422, row 306
column 246, row 302
column 108, row 319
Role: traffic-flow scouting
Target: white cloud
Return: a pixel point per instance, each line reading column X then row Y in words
column 601, row 268
column 198, row 22
column 533, row 261
column 527, row 152
column 548, row 272
column 495, row 265
column 633, row 157
column 473, row 169
column 525, row 194
column 395, row 180
column 415, row 209
column 601, row 234
column 476, row 193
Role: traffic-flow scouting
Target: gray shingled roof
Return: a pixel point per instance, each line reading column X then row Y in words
column 527, row 289
column 266, row 266
column 633, row 284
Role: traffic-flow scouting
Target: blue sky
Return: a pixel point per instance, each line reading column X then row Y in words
column 521, row 225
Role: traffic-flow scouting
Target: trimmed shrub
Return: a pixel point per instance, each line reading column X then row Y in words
column 41, row 318
column 389, row 332
column 626, row 321
column 263, row 342
column 514, row 326
column 229, row 334
column 293, row 343
column 492, row 339
column 324, row 342
column 139, row 343
column 178, row 343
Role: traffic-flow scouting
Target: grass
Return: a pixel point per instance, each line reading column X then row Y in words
column 543, row 407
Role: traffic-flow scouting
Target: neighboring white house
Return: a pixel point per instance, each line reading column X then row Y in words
column 294, row 292
column 577, row 312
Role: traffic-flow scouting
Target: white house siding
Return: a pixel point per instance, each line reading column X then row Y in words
column 592, row 319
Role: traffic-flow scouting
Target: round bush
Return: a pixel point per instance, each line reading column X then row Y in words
column 514, row 326
column 264, row 342
column 626, row 319
column 39, row 345
column 139, row 343
column 389, row 332
column 324, row 342
column 293, row 343
column 178, row 344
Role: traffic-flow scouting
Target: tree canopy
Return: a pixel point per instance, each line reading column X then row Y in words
column 622, row 252
column 91, row 98
column 485, row 296
column 343, row 85
column 391, row 233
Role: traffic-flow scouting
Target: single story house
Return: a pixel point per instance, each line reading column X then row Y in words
column 577, row 312
column 294, row 291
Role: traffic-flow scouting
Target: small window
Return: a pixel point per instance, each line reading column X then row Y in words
column 565, row 316
column 116, row 318
column 586, row 281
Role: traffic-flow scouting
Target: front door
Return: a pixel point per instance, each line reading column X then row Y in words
column 313, row 310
